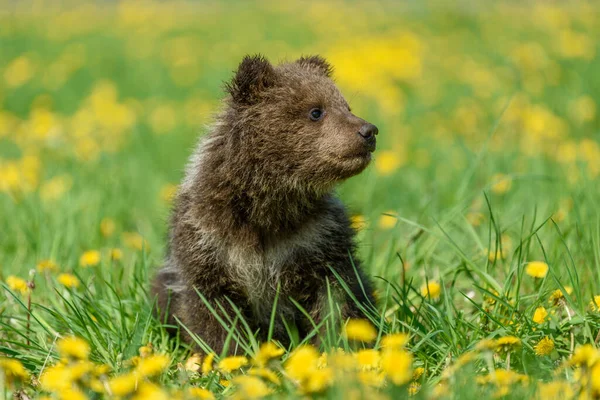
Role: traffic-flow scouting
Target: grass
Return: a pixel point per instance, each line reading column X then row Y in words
column 488, row 162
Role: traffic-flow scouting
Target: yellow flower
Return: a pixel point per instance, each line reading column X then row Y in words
column 302, row 363
column 267, row 352
column 418, row 372
column 73, row 347
column 207, row 364
column 230, row 364
column 318, row 380
column 90, row 258
column 558, row 296
column 367, row 358
column 556, row 390
column 371, row 377
column 544, row 347
column 19, row 71
column 56, row 378
column 501, row 183
column 72, row 394
column 200, row 393
column 116, row 254
column 68, row 280
column 150, row 391
column 431, row 289
column 360, row 329
column 17, row 284
column 107, row 227
column 387, row 220
column 585, row 355
column 122, row 385
column 536, row 269
column 396, row 364
column 540, row 315
column 193, row 364
column 251, row 387
column 358, row 222
column 168, row 192
column 414, row 388
column 508, row 343
column 475, row 218
column 47, row 265
column 135, row 241
column 394, row 340
column 265, row 373
column 595, row 303
column 386, row 162
column 12, row 369
column 152, row 365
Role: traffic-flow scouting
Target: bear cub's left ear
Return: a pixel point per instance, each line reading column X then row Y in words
column 254, row 75
column 318, row 63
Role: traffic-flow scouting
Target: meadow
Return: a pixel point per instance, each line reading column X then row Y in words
column 478, row 219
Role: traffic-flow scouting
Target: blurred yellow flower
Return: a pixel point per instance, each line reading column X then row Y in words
column 394, row 340
column 431, row 289
column 90, row 258
column 17, row 284
column 168, row 192
column 536, row 269
column 507, row 343
column 56, row 187
column 358, row 222
column 116, row 254
column 163, row 119
column 556, row 390
column 585, row 356
column 302, row 363
column 387, row 161
column 501, row 183
column 47, row 265
column 152, row 365
column 12, row 369
column 582, row 109
column 68, row 280
column 595, row 303
column 56, row 378
column 397, row 366
column 135, row 241
column 73, row 347
column 251, row 387
column 544, row 347
column 122, row 385
column 207, row 364
column 371, row 377
column 146, row 351
column 318, row 380
column 361, row 330
column 387, row 220
column 107, row 227
column 150, row 391
column 367, row 358
column 540, row 315
column 193, row 363
column 19, row 71
column 230, row 364
column 267, row 352
column 200, row 393
column 558, row 296
column 266, row 374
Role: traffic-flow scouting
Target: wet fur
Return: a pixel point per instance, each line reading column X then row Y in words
column 256, row 209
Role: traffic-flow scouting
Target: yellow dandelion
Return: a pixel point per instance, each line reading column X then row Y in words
column 540, row 315
column 301, row 363
column 72, row 394
column 394, row 340
column 68, row 280
column 135, row 241
column 150, row 391
column 115, row 254
column 267, row 352
column 152, row 365
column 501, row 183
column 367, row 358
column 168, row 192
column 207, row 364
column 475, row 218
column 544, row 347
column 361, row 330
column 414, row 388
column 230, row 364
column 56, row 378
column 200, row 393
column 123, row 385
column 47, row 265
column 107, row 227
column 194, row 363
column 397, row 366
column 387, row 161
column 251, row 387
column 90, row 258
column 431, row 289
column 73, row 347
column 536, row 269
column 595, row 303
column 12, row 369
column 358, row 222
column 145, row 351
column 266, row 374
column 17, row 284
column 318, row 380
column 585, row 355
column 19, row 71
column 387, row 220
column 556, row 390
column 558, row 296
column 418, row 372
column 507, row 343
column 371, row 377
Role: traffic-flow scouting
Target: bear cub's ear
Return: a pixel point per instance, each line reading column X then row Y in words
column 318, row 63
column 254, row 75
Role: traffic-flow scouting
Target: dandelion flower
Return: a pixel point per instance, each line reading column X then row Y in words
column 135, row 241
column 68, row 280
column 585, row 355
column 267, row 352
column 207, row 364
column 200, row 393
column 396, row 364
column 414, row 388
column 536, row 269
column 361, row 330
column 107, row 227
column 418, row 372
column 318, row 380
column 367, row 358
column 148, row 390
column 193, row 364
column 251, row 387
column 230, row 364
column 73, row 347
column 17, row 284
column 387, row 162
column 122, row 385
column 56, row 378
column 116, row 254
column 595, row 303
column 394, row 340
column 371, row 377
column 558, row 296
column 152, row 365
column 12, row 369
column 301, row 363
column 266, row 374
column 501, row 183
column 90, row 258
column 544, row 347
column 358, row 222
column 555, row 390
column 508, row 343
column 431, row 289
column 540, row 315
column 47, row 265
column 387, row 220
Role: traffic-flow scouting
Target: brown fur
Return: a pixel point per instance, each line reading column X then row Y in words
column 256, row 210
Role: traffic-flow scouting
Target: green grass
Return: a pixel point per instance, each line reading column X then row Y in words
column 476, row 106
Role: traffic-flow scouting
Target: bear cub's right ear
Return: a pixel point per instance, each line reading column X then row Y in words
column 254, row 74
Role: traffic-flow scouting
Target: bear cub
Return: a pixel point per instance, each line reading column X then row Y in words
column 256, row 220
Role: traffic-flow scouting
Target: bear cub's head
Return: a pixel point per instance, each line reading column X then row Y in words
column 293, row 121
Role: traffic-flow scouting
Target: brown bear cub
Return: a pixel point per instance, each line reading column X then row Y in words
column 256, row 220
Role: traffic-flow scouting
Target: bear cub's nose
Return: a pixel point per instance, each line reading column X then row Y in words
column 368, row 132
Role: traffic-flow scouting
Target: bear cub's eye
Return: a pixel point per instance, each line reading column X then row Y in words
column 316, row 114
